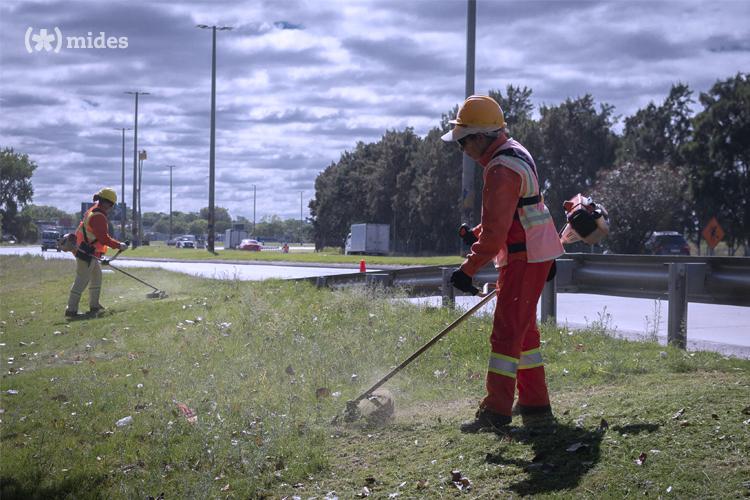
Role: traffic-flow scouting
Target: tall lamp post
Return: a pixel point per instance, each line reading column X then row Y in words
column 467, row 172
column 301, row 221
column 254, row 196
column 141, row 157
column 134, row 224
column 170, row 167
column 122, row 189
column 212, row 149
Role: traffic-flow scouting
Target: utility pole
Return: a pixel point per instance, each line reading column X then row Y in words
column 134, row 222
column 467, row 173
column 254, row 196
column 170, row 200
column 212, row 148
column 141, row 156
column 123, row 215
column 301, row 221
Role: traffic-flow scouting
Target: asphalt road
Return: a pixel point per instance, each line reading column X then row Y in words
column 720, row 328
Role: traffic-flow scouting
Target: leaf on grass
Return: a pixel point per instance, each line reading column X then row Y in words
column 678, row 414
column 289, row 370
column 393, row 495
column 187, row 412
column 573, row 448
column 322, row 392
column 422, row 484
column 714, row 416
column 364, row 493
column 641, row 459
column 580, row 347
column 603, row 425
column 684, row 423
column 225, row 488
column 370, row 480
column 746, row 411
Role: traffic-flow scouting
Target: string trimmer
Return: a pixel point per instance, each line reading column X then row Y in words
column 382, row 403
column 156, row 294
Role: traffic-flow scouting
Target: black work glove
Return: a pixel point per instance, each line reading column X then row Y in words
column 105, row 262
column 467, row 234
column 462, row 281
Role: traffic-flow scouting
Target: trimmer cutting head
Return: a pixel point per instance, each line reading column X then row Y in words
column 377, row 408
column 157, row 294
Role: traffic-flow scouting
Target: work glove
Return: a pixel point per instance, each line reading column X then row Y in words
column 124, row 245
column 467, row 234
column 462, row 281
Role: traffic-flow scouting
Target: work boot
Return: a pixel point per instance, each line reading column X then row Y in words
column 534, row 415
column 97, row 309
column 73, row 314
column 485, row 421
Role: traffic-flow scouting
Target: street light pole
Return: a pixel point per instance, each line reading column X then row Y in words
column 254, row 197
column 134, row 222
column 141, row 156
column 122, row 192
column 301, row 222
column 212, row 147
column 170, row 200
column 467, row 172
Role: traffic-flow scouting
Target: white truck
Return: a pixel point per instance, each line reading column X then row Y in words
column 373, row 239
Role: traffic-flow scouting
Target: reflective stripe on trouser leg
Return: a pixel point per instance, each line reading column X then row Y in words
column 95, row 286
column 530, row 359
column 83, row 275
column 503, row 365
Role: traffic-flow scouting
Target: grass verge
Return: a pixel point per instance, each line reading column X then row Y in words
column 265, row 366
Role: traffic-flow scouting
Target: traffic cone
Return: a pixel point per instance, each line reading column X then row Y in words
column 362, row 267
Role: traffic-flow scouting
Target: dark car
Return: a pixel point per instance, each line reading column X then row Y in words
column 667, row 243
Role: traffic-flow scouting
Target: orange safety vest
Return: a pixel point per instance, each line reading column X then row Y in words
column 542, row 241
column 84, row 233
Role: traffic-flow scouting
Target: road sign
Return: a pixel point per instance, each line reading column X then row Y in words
column 713, row 233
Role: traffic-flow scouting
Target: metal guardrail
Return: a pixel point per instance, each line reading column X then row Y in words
column 710, row 280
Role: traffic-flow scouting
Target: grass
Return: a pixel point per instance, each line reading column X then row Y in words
column 249, row 359
column 324, row 257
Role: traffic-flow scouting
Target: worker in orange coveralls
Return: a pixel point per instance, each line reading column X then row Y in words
column 516, row 231
column 92, row 240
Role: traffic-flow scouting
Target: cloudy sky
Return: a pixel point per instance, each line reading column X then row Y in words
column 299, row 82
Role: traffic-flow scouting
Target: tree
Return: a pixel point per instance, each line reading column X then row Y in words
column 657, row 134
column 576, row 143
column 641, row 198
column 719, row 158
column 222, row 219
column 16, row 191
column 198, row 227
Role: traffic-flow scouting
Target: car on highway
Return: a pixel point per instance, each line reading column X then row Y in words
column 250, row 245
column 185, row 241
column 50, row 240
column 666, row 243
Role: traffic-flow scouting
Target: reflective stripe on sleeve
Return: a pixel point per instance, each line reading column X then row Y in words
column 503, row 365
column 530, row 359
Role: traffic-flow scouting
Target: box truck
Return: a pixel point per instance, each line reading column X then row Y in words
column 373, row 239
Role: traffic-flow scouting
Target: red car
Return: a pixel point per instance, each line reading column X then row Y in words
column 250, row 245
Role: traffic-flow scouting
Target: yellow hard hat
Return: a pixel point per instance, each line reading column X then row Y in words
column 107, row 194
column 478, row 113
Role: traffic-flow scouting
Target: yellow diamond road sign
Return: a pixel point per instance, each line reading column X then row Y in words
column 713, row 233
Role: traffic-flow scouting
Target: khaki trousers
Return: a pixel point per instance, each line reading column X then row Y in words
column 87, row 273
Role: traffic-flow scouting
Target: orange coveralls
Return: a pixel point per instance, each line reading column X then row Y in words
column 515, row 358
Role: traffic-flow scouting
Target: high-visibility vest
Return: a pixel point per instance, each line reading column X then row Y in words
column 542, row 241
column 84, row 233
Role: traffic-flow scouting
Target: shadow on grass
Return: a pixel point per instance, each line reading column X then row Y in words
column 562, row 455
column 70, row 487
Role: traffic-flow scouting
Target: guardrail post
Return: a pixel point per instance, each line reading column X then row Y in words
column 378, row 279
column 321, row 281
column 678, row 304
column 549, row 301
column 448, row 292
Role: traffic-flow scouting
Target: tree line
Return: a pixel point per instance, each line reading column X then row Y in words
column 672, row 167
